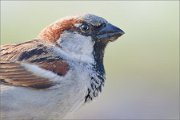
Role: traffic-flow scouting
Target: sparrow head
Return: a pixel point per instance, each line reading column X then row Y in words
column 83, row 34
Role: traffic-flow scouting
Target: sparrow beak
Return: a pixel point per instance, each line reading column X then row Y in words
column 109, row 33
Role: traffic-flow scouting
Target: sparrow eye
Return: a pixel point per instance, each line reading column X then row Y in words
column 84, row 27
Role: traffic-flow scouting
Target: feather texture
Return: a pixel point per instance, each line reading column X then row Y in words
column 17, row 75
column 35, row 53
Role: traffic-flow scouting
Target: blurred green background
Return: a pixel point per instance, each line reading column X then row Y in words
column 142, row 66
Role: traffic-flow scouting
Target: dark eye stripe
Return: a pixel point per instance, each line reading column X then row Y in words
column 101, row 25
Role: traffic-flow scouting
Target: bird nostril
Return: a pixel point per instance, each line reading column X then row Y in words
column 103, row 25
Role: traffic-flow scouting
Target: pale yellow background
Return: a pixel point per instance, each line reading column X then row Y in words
column 142, row 66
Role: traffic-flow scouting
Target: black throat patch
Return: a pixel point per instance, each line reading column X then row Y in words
column 97, row 81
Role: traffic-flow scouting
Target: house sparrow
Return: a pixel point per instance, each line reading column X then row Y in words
column 60, row 70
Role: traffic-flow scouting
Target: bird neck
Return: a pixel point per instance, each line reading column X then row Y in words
column 97, row 79
column 98, row 54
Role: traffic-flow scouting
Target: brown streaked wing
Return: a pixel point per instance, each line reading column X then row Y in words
column 59, row 67
column 16, row 75
column 32, row 52
column 23, row 51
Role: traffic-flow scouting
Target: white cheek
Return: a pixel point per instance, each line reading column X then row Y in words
column 76, row 43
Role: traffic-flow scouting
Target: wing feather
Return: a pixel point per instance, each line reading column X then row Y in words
column 21, row 77
column 34, row 52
